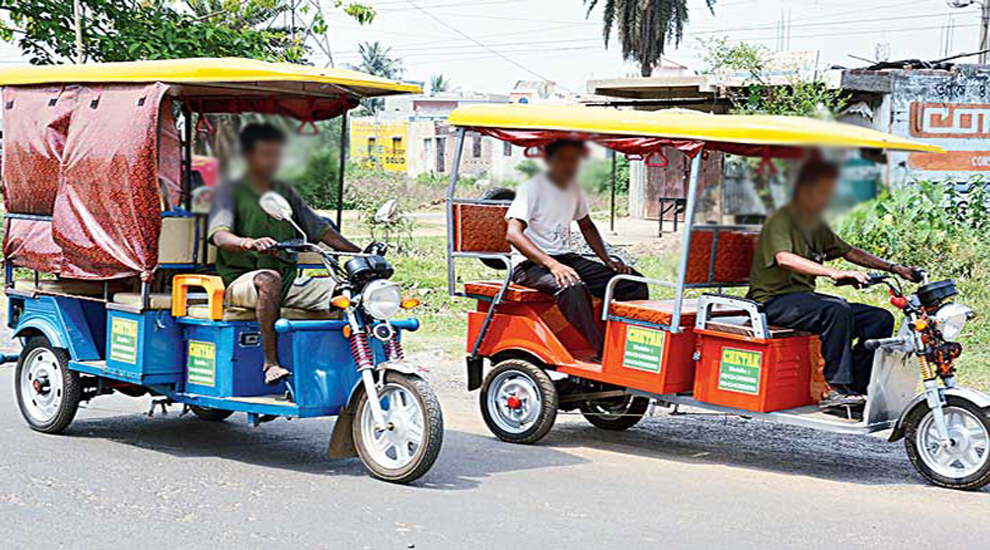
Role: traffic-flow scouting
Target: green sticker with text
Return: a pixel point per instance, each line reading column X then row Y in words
column 124, row 340
column 644, row 349
column 202, row 363
column 739, row 371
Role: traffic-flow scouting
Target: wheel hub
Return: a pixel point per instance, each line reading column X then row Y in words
column 513, row 402
column 41, row 385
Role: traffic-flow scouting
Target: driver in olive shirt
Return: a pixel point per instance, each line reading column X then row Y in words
column 791, row 253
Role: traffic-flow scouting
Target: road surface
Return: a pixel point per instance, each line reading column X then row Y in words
column 118, row 479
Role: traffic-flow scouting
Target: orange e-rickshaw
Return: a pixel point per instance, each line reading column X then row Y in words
column 713, row 351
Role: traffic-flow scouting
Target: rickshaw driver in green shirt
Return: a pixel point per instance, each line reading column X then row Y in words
column 791, row 253
column 257, row 276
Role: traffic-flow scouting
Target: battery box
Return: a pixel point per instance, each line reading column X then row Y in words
column 760, row 375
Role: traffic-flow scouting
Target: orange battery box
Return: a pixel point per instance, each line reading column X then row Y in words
column 648, row 359
column 753, row 374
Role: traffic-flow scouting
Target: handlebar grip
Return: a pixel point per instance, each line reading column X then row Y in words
column 845, row 282
column 873, row 345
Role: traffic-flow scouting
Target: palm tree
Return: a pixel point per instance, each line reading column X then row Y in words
column 377, row 60
column 439, row 83
column 645, row 27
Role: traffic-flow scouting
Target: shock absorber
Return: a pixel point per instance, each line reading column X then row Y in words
column 927, row 372
column 361, row 350
column 393, row 349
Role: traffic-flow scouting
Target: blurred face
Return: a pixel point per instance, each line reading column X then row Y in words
column 565, row 164
column 264, row 160
column 813, row 199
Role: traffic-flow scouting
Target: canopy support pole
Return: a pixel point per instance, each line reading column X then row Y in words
column 455, row 168
column 675, row 321
column 342, row 168
column 611, row 220
column 187, row 138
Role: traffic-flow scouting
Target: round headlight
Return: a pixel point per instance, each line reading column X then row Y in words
column 382, row 299
column 950, row 320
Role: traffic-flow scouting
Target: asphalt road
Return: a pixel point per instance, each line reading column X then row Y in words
column 118, row 479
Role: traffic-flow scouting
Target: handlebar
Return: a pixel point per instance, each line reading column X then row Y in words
column 875, row 279
column 872, row 345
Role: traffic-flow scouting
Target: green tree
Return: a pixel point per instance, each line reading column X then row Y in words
column 644, row 27
column 438, row 84
column 377, row 59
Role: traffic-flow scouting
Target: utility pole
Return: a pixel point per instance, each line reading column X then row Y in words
column 77, row 15
column 984, row 23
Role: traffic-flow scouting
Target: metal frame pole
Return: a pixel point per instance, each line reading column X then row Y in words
column 187, row 149
column 675, row 321
column 611, row 221
column 451, row 188
column 342, row 169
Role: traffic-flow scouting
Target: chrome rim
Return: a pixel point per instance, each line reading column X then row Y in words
column 42, row 386
column 397, row 443
column 965, row 452
column 514, row 401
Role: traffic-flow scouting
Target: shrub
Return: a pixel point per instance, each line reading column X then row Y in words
column 528, row 168
column 597, row 176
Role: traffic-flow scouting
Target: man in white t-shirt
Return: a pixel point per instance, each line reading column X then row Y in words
column 539, row 231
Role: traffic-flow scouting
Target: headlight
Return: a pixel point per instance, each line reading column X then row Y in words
column 382, row 299
column 950, row 320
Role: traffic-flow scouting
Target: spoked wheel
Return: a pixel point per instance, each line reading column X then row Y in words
column 210, row 415
column 519, row 402
column 962, row 462
column 48, row 393
column 617, row 414
column 409, row 443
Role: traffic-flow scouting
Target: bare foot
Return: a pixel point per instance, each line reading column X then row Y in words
column 275, row 373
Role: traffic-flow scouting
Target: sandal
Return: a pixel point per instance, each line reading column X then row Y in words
column 275, row 374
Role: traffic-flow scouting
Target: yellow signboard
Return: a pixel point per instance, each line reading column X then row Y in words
column 380, row 143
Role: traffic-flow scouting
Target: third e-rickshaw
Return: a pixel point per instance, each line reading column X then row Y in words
column 715, row 351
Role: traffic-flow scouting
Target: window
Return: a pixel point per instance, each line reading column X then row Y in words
column 428, row 153
column 476, row 147
column 506, row 149
column 441, row 155
column 372, row 143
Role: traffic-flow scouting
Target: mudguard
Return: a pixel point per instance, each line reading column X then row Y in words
column 45, row 327
column 342, row 438
column 975, row 397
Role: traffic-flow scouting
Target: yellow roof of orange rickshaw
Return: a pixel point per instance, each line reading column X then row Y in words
column 219, row 72
column 780, row 131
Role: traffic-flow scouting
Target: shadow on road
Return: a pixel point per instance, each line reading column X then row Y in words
column 738, row 442
column 301, row 446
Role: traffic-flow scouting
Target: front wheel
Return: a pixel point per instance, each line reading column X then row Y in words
column 48, row 393
column 409, row 443
column 962, row 462
column 519, row 401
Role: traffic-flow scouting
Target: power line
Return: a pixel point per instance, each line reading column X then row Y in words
column 481, row 44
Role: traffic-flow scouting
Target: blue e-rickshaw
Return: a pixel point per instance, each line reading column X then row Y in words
column 110, row 279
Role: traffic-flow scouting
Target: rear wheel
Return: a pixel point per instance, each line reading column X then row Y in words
column 616, row 414
column 962, row 462
column 48, row 393
column 210, row 415
column 519, row 401
column 409, row 443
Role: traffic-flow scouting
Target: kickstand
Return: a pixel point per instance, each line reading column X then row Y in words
column 163, row 403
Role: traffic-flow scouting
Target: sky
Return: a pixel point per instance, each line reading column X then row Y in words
column 486, row 45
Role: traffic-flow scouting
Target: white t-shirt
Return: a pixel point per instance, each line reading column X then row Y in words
column 548, row 212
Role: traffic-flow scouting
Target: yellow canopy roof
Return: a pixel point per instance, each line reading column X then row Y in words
column 229, row 72
column 779, row 131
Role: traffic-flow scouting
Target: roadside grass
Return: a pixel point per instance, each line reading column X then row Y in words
column 423, row 274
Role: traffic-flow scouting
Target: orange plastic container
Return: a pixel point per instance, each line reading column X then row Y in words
column 755, row 375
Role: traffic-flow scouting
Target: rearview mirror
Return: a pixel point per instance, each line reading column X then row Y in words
column 276, row 206
column 386, row 213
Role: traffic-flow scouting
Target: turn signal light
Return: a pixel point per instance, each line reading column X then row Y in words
column 409, row 303
column 341, row 302
column 920, row 325
column 900, row 302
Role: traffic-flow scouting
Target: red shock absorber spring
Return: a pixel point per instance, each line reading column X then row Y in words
column 361, row 350
column 393, row 349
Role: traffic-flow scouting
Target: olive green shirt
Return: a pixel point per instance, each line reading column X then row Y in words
column 237, row 208
column 782, row 233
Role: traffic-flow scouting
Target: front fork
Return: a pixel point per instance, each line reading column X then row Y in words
column 934, row 398
column 365, row 361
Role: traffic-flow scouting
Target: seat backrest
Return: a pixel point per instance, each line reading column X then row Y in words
column 721, row 255
column 480, row 227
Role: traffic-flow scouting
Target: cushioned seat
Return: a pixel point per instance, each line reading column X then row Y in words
column 244, row 314
column 659, row 312
column 158, row 300
column 67, row 286
column 515, row 293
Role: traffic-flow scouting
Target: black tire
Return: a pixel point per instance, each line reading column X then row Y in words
column 210, row 415
column 497, row 194
column 616, row 415
column 427, row 452
column 532, row 377
column 71, row 390
column 913, row 421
